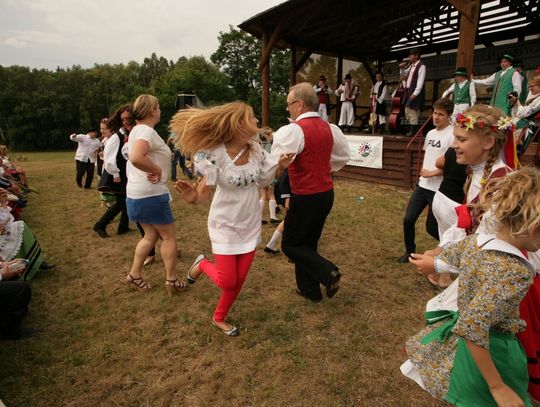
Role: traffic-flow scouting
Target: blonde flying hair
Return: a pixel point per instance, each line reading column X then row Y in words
column 144, row 105
column 514, row 201
column 204, row 129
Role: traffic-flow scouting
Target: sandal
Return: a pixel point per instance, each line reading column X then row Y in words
column 174, row 286
column 139, row 283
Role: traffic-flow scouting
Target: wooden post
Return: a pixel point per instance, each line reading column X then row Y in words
column 292, row 75
column 265, row 79
column 469, row 11
column 339, row 79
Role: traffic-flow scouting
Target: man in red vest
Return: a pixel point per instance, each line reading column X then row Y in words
column 320, row 148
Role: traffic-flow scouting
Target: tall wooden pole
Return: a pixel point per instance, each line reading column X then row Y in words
column 265, row 78
column 469, row 11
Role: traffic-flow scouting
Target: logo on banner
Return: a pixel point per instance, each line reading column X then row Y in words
column 365, row 149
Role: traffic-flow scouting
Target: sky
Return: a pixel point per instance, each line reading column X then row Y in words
column 62, row 33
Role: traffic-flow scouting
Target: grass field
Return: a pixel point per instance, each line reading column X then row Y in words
column 106, row 345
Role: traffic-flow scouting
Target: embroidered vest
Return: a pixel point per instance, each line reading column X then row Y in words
column 462, row 95
column 418, row 102
column 310, row 172
column 503, row 85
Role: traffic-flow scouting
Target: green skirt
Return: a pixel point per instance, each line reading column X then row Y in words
column 467, row 385
column 30, row 250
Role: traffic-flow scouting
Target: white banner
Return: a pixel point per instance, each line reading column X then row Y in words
column 366, row 151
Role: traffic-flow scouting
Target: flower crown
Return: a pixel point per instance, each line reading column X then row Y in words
column 469, row 121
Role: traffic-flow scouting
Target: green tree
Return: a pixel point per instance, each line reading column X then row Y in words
column 238, row 57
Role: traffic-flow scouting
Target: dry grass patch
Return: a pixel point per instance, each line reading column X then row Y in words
column 107, row 345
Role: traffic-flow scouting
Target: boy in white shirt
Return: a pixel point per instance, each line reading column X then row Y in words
column 437, row 142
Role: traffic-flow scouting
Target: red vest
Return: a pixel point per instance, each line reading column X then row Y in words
column 310, row 172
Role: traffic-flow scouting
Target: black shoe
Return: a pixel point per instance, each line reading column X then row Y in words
column 121, row 232
column 404, row 259
column 270, row 250
column 264, row 222
column 332, row 287
column 274, row 220
column 87, row 187
column 101, row 232
column 20, row 333
column 313, row 299
column 79, row 184
column 46, row 266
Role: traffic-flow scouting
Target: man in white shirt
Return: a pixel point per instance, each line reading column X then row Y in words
column 437, row 142
column 378, row 95
column 347, row 93
column 415, row 93
column 323, row 91
column 320, row 148
column 504, row 81
column 464, row 93
column 85, row 156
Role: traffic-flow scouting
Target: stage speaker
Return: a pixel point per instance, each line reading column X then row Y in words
column 185, row 99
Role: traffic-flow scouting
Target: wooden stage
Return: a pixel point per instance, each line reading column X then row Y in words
column 401, row 165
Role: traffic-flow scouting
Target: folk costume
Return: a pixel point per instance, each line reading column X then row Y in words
column 503, row 82
column 323, row 91
column 416, row 76
column 347, row 93
column 320, row 149
column 464, row 93
column 439, row 352
column 378, row 91
column 234, row 220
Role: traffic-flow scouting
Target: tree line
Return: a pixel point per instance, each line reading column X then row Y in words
column 39, row 108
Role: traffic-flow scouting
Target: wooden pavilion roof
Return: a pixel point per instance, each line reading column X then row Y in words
column 384, row 30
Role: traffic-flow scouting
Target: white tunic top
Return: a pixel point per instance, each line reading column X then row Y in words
column 234, row 220
column 138, row 186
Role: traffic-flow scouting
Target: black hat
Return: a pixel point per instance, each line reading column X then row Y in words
column 507, row 57
column 348, row 76
column 322, row 78
column 461, row 71
column 415, row 51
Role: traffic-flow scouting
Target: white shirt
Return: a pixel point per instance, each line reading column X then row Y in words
column 472, row 90
column 234, row 220
column 435, row 146
column 375, row 90
column 138, row 186
column 290, row 139
column 87, row 147
column 516, row 80
column 421, row 77
column 532, row 105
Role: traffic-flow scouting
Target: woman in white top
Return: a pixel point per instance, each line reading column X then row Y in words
column 231, row 160
column 148, row 196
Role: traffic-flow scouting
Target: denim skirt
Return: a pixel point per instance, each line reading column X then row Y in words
column 154, row 210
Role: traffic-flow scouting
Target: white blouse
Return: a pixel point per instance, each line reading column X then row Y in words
column 234, row 220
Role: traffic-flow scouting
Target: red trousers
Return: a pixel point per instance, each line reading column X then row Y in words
column 228, row 272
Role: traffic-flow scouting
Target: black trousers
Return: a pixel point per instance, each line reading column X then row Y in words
column 84, row 168
column 418, row 201
column 304, row 223
column 119, row 207
column 14, row 299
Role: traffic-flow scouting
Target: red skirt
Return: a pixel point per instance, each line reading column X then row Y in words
column 529, row 310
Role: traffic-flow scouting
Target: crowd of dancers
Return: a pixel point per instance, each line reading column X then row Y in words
column 484, row 211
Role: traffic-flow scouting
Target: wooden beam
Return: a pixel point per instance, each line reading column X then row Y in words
column 265, row 81
column 339, row 79
column 302, row 60
column 267, row 49
column 469, row 15
column 368, row 69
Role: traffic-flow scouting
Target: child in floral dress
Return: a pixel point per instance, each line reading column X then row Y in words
column 471, row 357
